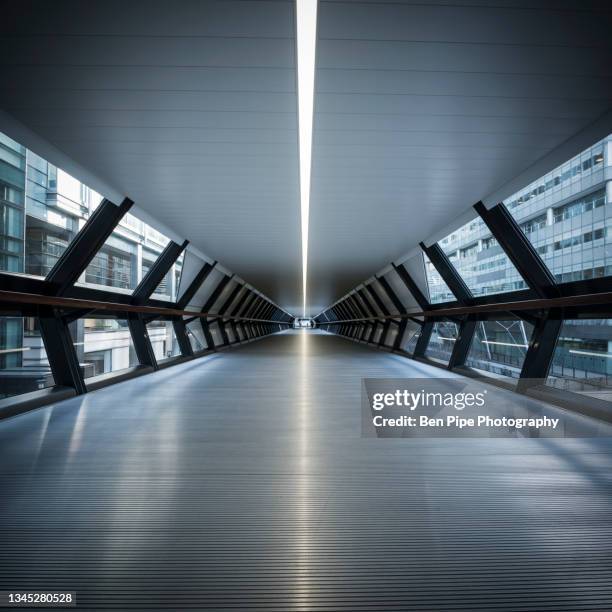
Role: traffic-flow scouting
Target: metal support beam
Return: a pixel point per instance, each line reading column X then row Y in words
column 222, row 310
column 140, row 340
column 412, row 287
column 377, row 299
column 252, row 307
column 257, row 312
column 196, row 283
column 448, row 273
column 84, row 246
column 214, row 296
column 541, row 351
column 248, row 303
column 234, row 328
column 359, row 307
column 180, row 331
column 462, row 343
column 423, row 339
column 383, row 335
column 60, row 350
column 518, row 248
column 366, row 302
column 384, row 283
column 224, row 337
column 345, row 310
column 228, row 302
column 241, row 300
column 350, row 308
column 372, row 332
column 400, row 334
column 157, row 271
column 268, row 311
column 364, row 331
column 210, row 342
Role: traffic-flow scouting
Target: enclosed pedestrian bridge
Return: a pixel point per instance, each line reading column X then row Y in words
column 306, row 305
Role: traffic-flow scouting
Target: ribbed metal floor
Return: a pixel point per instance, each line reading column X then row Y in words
column 240, row 481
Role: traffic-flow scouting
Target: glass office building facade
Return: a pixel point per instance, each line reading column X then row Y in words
column 563, row 214
column 566, row 215
column 41, row 210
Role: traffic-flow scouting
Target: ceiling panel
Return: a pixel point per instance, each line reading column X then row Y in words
column 422, row 109
column 188, row 108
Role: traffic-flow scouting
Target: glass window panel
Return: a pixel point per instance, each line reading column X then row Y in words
column 169, row 285
column 391, row 335
column 567, row 216
column 377, row 333
column 499, row 347
column 126, row 257
column 49, row 208
column 438, row 289
column 442, row 341
column 384, row 297
column 41, row 210
column 411, row 336
column 24, row 366
column 229, row 330
column 103, row 345
column 196, row 337
column 163, row 340
column 115, row 265
column 480, row 261
column 215, row 332
column 582, row 361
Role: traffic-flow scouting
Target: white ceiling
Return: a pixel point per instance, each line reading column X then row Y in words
column 188, row 107
column 421, row 109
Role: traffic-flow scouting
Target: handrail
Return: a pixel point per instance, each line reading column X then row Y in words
column 590, row 299
column 19, row 298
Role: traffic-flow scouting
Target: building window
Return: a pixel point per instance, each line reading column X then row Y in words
column 567, row 217
column 24, row 366
column 582, row 362
column 482, row 264
column 112, row 268
column 42, row 208
column 438, row 289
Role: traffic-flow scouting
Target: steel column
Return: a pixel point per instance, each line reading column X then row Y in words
column 412, row 287
column 156, row 273
column 84, row 246
column 60, row 351
column 448, row 272
column 196, row 283
column 518, row 248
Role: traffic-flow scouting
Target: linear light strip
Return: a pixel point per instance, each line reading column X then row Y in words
column 306, row 32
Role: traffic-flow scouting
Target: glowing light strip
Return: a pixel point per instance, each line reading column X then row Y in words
column 590, row 354
column 449, row 339
column 306, row 29
column 504, row 343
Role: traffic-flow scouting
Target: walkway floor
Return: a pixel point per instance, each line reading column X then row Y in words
column 241, row 481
